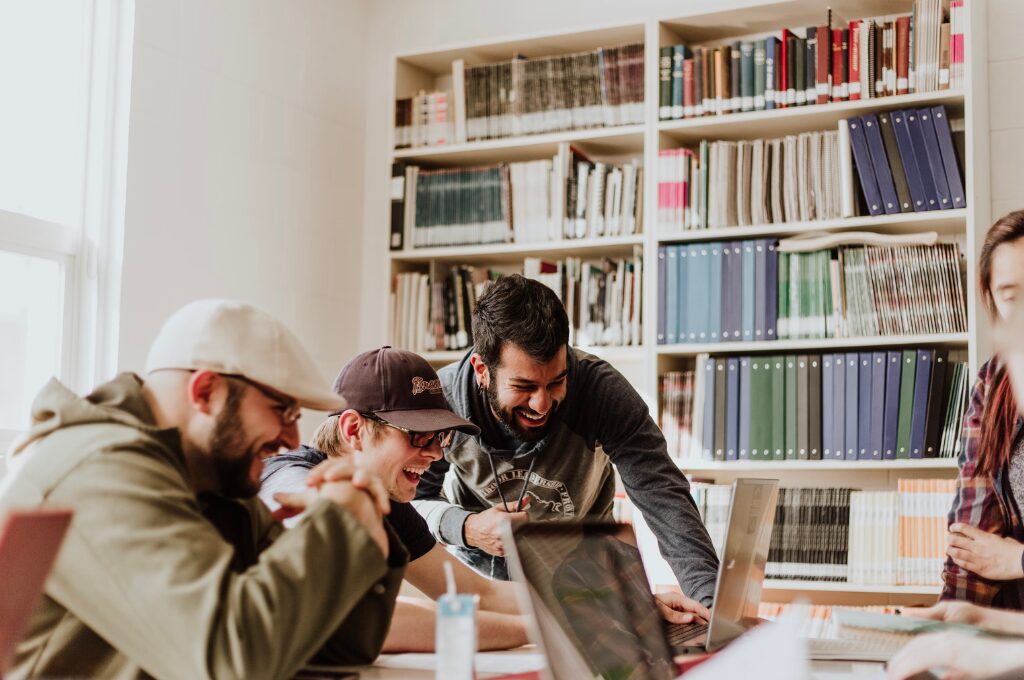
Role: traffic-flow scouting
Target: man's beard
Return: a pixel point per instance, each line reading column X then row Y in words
column 507, row 417
column 232, row 459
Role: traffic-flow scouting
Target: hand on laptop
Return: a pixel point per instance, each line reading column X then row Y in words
column 677, row 608
column 483, row 529
column 958, row 654
column 960, row 611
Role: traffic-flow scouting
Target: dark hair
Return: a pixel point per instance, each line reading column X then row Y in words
column 999, row 416
column 523, row 312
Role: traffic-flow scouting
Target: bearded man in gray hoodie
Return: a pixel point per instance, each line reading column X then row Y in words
column 554, row 421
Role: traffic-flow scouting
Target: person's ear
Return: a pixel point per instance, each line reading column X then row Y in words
column 350, row 428
column 483, row 374
column 203, row 388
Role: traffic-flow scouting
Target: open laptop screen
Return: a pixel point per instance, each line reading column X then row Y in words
column 590, row 582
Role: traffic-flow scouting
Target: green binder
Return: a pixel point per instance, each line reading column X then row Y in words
column 906, row 403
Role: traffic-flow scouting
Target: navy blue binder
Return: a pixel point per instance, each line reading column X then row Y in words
column 714, row 283
column 909, row 159
column 827, row 402
column 708, row 431
column 864, row 394
column 883, row 175
column 772, row 291
column 892, row 404
column 760, row 261
column 852, row 374
column 672, row 296
column 923, row 163
column 744, row 415
column 920, row 413
column 732, row 406
column 662, row 294
column 865, row 169
column 839, row 406
column 949, row 160
column 878, row 366
column 931, row 147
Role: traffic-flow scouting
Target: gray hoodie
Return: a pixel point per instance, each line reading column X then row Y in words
column 601, row 422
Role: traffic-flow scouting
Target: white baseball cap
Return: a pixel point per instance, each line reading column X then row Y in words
column 235, row 338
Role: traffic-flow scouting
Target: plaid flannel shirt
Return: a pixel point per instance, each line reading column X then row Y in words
column 986, row 503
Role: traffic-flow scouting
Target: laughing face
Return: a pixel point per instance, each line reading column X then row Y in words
column 524, row 394
column 392, row 457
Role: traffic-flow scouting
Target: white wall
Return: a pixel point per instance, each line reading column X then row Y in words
column 405, row 26
column 245, row 166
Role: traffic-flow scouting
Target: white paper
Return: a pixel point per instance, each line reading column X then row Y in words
column 771, row 651
column 486, row 662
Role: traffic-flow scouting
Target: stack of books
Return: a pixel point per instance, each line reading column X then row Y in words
column 748, row 291
column 835, row 62
column 426, row 119
column 880, row 405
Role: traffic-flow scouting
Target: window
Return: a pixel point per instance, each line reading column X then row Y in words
column 64, row 83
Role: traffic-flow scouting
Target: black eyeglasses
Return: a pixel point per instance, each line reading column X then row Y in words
column 420, row 440
column 288, row 410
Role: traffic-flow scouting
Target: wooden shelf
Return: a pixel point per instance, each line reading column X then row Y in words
column 513, row 252
column 825, row 344
column 945, row 222
column 782, row 466
column 794, row 120
column 613, row 141
column 610, row 353
column 835, row 587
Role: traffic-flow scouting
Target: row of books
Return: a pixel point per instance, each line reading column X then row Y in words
column 425, row 119
column 743, row 291
column 602, row 300
column 569, row 196
column 745, row 183
column 844, row 535
column 816, row 65
column 880, row 405
column 816, row 619
column 906, row 161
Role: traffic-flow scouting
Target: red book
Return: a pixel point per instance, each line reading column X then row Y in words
column 781, row 98
column 837, row 65
column 854, row 85
column 902, row 55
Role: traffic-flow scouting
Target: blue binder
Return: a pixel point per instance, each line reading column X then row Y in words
column 672, row 296
column 949, row 159
column 714, row 282
column 662, row 294
column 747, row 306
column 892, row 405
column 865, row 169
column 852, row 374
column 864, row 394
column 732, row 399
column 883, row 174
column 878, row 385
column 839, row 406
column 827, row 400
column 685, row 314
column 744, row 452
column 920, row 413
column 923, row 163
column 909, row 159
column 931, row 147
column 735, row 293
column 707, row 445
column 696, row 296
column 771, row 291
column 725, row 328
column 760, row 262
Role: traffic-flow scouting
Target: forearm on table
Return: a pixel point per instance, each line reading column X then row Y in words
column 413, row 628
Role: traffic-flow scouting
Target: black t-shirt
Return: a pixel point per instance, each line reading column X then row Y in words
column 411, row 529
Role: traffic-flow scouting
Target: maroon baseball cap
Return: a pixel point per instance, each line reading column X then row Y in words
column 401, row 388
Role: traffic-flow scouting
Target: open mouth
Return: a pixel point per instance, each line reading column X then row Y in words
column 531, row 419
column 413, row 474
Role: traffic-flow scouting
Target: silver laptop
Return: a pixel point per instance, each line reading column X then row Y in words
column 593, row 611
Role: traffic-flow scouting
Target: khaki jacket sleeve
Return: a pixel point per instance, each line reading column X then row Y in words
column 145, row 570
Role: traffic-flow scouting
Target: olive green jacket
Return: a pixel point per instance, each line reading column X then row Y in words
column 146, row 585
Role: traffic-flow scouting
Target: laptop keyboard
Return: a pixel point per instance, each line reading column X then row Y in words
column 679, row 633
column 853, row 649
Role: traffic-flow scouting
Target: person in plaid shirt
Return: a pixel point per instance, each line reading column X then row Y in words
column 985, row 557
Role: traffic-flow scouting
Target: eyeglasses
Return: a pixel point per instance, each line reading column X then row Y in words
column 287, row 410
column 420, row 440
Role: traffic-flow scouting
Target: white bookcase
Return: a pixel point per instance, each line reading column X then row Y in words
column 643, row 364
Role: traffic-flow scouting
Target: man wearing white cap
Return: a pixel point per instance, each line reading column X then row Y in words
column 171, row 568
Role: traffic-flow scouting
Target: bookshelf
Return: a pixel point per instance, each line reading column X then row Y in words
column 645, row 362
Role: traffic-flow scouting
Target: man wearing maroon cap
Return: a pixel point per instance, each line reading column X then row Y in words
column 395, row 425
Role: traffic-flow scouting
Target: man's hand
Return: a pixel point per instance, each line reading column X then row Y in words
column 985, row 554
column 677, row 608
column 335, row 470
column 483, row 529
column 959, row 611
column 958, row 654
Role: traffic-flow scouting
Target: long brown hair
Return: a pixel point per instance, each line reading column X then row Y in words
column 999, row 417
